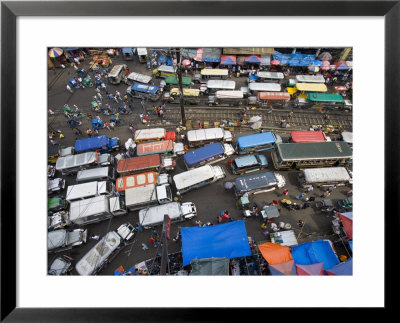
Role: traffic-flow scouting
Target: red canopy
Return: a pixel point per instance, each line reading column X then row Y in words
column 307, row 136
column 316, row 269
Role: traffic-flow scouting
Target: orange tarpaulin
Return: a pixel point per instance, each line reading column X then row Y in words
column 274, row 253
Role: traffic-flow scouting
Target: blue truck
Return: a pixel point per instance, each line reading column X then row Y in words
column 101, row 143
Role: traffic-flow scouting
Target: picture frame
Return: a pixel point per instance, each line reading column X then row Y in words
column 11, row 10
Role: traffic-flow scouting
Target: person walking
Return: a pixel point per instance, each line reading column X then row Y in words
column 199, row 126
column 300, row 196
column 158, row 112
column 100, row 96
column 89, row 132
column 69, row 89
column 161, row 113
column 310, row 189
column 285, row 192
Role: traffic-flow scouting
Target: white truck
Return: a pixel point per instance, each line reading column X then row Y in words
column 89, row 190
column 96, row 209
column 152, row 216
column 147, row 195
column 325, row 176
column 61, row 240
column 105, row 250
column 55, row 185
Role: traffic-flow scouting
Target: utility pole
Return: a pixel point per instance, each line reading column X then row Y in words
column 165, row 235
column 179, row 71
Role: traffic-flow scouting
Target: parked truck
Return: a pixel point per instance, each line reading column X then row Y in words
column 73, row 163
column 105, row 250
column 103, row 144
column 328, row 176
column 152, row 216
column 148, row 195
column 89, row 190
column 96, row 209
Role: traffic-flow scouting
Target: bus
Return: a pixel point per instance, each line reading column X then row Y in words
column 227, row 98
column 331, row 100
column 206, row 155
column 258, row 183
column 310, row 78
column 301, row 90
column 257, row 142
column 265, row 99
column 206, row 136
column 173, row 80
column 140, row 90
column 73, row 163
column 307, row 136
column 125, row 182
column 190, row 96
column 248, row 164
column 197, row 178
column 266, row 76
column 254, row 88
column 312, row 154
column 213, row 86
column 142, row 54
column 328, row 176
column 211, row 74
column 347, row 137
column 149, row 134
column 142, row 164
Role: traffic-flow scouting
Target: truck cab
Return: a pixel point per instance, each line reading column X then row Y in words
column 189, row 210
column 126, row 231
column 62, row 239
column 164, row 193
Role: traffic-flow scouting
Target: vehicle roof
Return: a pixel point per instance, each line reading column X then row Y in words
column 310, row 78
column 312, row 87
column 248, row 160
column 214, row 71
column 254, row 181
column 142, row 78
column 271, row 75
column 98, row 171
column 347, row 136
column 279, row 96
column 308, row 136
column 141, row 51
column 186, row 92
column 136, row 163
column 126, row 182
column 91, row 143
column 194, row 176
column 116, row 70
column 315, row 150
column 229, row 94
column 256, row 139
column 87, row 207
column 150, row 148
column 198, row 155
column 166, row 68
column 151, row 133
column 78, row 190
column 325, row 97
column 326, row 174
column 56, row 239
column 265, row 87
column 140, row 194
column 221, row 84
column 146, row 88
column 205, row 134
column 155, row 214
column 186, row 80
column 76, row 160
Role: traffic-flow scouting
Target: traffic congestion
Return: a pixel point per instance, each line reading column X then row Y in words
column 200, row 161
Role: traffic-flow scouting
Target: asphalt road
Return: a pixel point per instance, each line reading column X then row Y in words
column 209, row 200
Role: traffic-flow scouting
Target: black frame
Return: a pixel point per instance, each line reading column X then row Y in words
column 10, row 10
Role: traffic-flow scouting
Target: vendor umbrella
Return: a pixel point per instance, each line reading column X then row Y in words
column 228, row 185
column 313, row 68
column 185, row 62
column 325, row 65
column 325, row 56
column 255, row 122
column 253, row 59
column 275, row 62
column 55, row 52
column 284, row 268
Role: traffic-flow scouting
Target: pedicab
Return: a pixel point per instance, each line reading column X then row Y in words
column 73, row 83
column 123, row 109
column 66, row 110
column 97, row 124
column 325, row 205
column 95, row 106
column 107, row 110
column 116, row 120
column 87, row 82
column 81, row 72
column 289, row 205
column 346, row 203
column 73, row 122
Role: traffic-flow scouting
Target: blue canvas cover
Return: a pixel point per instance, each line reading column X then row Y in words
column 127, row 50
column 198, row 155
column 223, row 240
column 297, row 59
column 145, row 88
column 257, row 139
column 227, row 60
column 313, row 252
column 92, row 143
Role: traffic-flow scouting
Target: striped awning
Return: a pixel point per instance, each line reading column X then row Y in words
column 248, row 51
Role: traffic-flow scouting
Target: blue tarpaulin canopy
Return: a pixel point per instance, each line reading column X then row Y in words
column 342, row 269
column 315, row 251
column 92, row 143
column 223, row 240
column 127, row 50
column 296, row 59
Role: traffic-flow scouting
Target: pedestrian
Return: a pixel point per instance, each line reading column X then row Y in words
column 182, row 137
column 326, row 194
column 270, row 110
column 300, row 196
column 118, row 95
column 89, row 132
column 127, row 72
column 158, row 112
column 161, row 113
column 96, row 132
column 76, row 59
column 103, row 86
column 51, row 112
column 300, row 223
column 310, row 189
column 69, row 89
column 199, row 126
column 331, row 188
column 144, row 246
column 100, row 96
column 285, row 192
column 61, row 136
column 152, row 240
column 163, row 106
column 95, row 237
column 107, row 125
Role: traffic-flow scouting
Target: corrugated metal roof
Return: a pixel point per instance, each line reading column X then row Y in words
column 248, row 51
